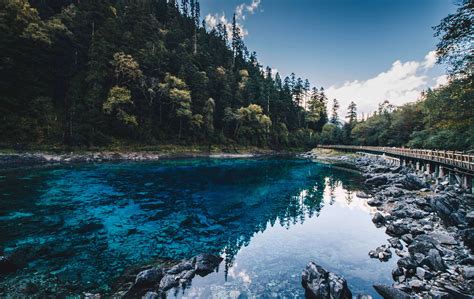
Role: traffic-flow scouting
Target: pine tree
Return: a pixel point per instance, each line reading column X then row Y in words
column 185, row 7
column 334, row 112
column 352, row 112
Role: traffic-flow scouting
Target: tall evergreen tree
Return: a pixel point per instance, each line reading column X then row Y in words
column 334, row 112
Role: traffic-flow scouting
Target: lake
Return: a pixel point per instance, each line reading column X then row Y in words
column 79, row 227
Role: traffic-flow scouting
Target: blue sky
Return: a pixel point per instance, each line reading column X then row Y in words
column 361, row 50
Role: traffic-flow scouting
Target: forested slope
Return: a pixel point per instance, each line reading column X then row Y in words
column 100, row 72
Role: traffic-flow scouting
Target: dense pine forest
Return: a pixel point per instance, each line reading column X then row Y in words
column 95, row 73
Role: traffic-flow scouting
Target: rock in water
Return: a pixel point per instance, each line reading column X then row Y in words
column 6, row 265
column 378, row 219
column 320, row 284
column 390, row 292
column 206, row 263
column 148, row 277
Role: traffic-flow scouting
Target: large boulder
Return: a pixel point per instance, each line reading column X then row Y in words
column 447, row 208
column 412, row 182
column 378, row 219
column 206, row 263
column 148, row 277
column 321, row 284
column 397, row 229
column 434, row 261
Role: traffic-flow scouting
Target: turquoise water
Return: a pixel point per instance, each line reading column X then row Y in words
column 81, row 227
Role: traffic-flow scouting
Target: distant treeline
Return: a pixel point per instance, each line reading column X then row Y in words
column 442, row 118
column 103, row 72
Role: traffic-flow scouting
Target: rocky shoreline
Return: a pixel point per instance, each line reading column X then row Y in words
column 41, row 158
column 431, row 224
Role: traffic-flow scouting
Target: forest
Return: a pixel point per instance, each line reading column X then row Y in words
column 96, row 73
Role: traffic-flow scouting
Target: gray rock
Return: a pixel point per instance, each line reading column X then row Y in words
column 443, row 238
column 320, row 284
column 377, row 180
column 468, row 238
column 434, row 261
column 407, row 238
column 183, row 266
column 468, row 272
column 437, row 294
column 395, row 243
column 374, row 202
column 148, row 277
column 362, row 194
column 187, row 276
column 407, row 263
column 412, row 182
column 393, row 191
column 151, row 295
column 382, row 253
column 470, row 218
column 422, row 247
column 169, row 281
column 397, row 229
column 390, row 292
column 421, row 273
column 416, row 284
column 206, row 263
column 378, row 219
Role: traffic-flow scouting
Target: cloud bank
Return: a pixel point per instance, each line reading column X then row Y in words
column 401, row 84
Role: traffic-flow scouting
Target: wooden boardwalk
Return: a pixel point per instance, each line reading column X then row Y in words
column 456, row 160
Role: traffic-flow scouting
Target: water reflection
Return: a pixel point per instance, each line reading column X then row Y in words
column 87, row 224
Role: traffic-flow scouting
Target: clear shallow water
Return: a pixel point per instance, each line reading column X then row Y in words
column 81, row 226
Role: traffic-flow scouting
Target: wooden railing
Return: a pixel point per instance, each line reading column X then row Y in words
column 455, row 159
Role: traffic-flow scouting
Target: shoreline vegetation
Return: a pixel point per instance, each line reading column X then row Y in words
column 11, row 157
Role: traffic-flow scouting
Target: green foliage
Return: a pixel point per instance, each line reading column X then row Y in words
column 117, row 101
column 455, row 47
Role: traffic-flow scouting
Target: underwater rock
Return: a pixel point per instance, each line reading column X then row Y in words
column 7, row 265
column 206, row 263
column 320, row 284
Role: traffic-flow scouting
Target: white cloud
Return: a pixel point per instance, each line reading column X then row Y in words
column 212, row 20
column 401, row 84
column 430, row 59
column 243, row 8
column 241, row 11
column 441, row 80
